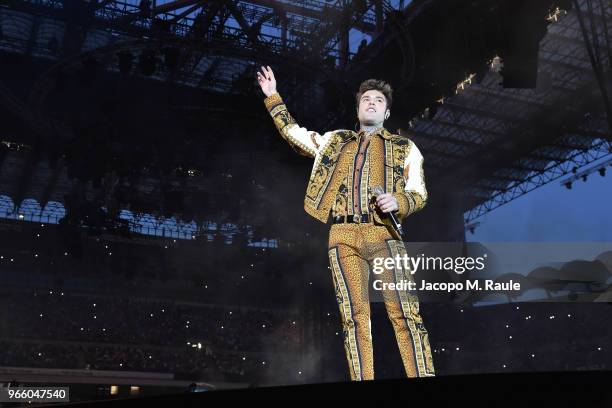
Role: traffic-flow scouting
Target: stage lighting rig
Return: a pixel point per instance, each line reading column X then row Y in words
column 472, row 227
column 583, row 175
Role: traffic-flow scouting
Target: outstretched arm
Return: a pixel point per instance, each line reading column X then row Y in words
column 306, row 142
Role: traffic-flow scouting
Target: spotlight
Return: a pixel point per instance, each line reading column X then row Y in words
column 472, row 227
column 568, row 185
column 602, row 171
column 554, row 15
column 496, row 64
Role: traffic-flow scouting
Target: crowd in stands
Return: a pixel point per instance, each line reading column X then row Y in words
column 63, row 316
column 187, row 361
column 67, row 330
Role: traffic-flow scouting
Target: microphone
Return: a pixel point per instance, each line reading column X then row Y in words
column 378, row 191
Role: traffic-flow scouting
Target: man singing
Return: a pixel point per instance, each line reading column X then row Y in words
column 348, row 169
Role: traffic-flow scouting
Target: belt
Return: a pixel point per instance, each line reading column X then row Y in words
column 352, row 219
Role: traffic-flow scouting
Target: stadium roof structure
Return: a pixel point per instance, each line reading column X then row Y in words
column 448, row 62
column 509, row 141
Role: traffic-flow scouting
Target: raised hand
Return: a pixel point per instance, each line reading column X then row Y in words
column 266, row 80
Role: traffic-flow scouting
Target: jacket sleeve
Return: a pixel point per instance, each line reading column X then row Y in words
column 414, row 196
column 305, row 142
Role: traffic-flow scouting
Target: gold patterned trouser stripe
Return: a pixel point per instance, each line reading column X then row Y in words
column 343, row 298
column 412, row 337
column 352, row 250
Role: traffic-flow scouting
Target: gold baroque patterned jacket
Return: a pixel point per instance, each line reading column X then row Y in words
column 333, row 153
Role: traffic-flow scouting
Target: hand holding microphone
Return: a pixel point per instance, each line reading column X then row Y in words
column 387, row 204
column 385, row 201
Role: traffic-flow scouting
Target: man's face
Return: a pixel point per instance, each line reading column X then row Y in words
column 372, row 108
